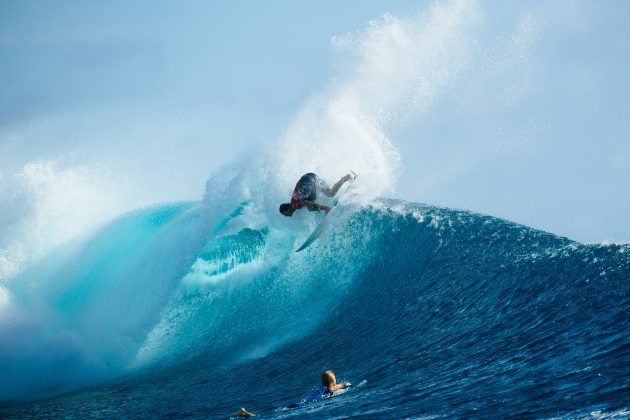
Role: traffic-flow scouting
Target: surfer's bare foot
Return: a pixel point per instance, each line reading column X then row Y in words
column 242, row 413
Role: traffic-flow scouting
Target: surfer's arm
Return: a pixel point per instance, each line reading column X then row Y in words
column 313, row 206
column 342, row 385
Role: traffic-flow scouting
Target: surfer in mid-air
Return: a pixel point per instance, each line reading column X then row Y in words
column 305, row 193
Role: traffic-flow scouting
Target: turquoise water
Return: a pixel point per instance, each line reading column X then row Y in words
column 177, row 311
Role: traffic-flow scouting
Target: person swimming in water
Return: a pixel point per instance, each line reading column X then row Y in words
column 305, row 193
column 328, row 387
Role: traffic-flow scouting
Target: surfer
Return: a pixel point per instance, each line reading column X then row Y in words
column 242, row 413
column 328, row 387
column 305, row 193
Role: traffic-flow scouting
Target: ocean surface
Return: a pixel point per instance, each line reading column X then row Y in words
column 177, row 311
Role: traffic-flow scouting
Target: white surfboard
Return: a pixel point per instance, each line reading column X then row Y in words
column 325, row 221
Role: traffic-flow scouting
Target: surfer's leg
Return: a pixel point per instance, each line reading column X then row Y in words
column 330, row 192
column 242, row 413
column 324, row 187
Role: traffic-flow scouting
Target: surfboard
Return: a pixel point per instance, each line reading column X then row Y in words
column 325, row 221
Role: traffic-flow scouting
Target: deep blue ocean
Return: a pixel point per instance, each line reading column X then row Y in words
column 171, row 311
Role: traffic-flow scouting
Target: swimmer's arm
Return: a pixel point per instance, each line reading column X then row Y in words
column 313, row 206
column 342, row 385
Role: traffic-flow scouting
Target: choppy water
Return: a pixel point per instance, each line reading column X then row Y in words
column 428, row 311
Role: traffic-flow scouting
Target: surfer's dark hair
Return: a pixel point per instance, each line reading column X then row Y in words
column 284, row 207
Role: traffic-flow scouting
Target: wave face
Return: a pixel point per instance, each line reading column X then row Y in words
column 428, row 311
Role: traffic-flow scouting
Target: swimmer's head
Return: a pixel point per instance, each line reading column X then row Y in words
column 328, row 379
column 286, row 209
